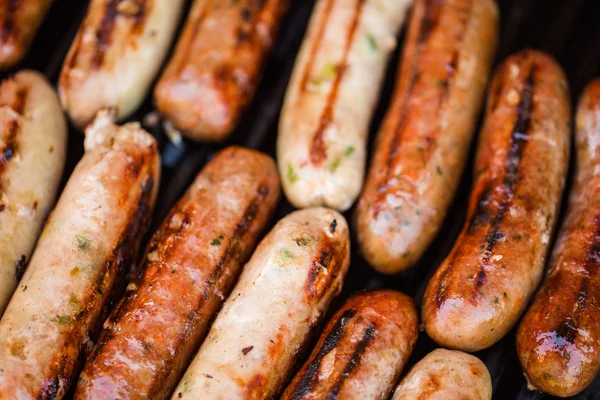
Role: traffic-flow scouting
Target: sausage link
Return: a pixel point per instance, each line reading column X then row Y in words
column 362, row 350
column 446, row 374
column 33, row 140
column 422, row 145
column 19, row 22
column 281, row 295
column 217, row 64
column 116, row 56
column 87, row 244
column 191, row 263
column 480, row 290
column 321, row 148
column 558, row 341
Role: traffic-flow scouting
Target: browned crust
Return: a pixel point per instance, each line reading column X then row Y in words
column 383, row 318
column 185, row 225
column 558, row 341
column 498, row 259
column 318, row 148
column 19, row 20
column 226, row 73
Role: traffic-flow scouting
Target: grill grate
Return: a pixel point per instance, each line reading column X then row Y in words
column 565, row 29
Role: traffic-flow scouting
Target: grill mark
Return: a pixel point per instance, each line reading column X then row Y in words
column 60, row 374
column 247, row 28
column 8, row 25
column 20, row 267
column 318, row 148
column 10, row 145
column 335, row 335
column 359, row 349
column 104, row 33
column 518, row 141
column 316, row 44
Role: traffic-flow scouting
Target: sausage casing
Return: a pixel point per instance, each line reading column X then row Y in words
column 558, row 341
column 19, row 22
column 217, row 65
column 281, row 295
column 446, row 374
column 321, row 147
column 362, row 350
column 116, row 55
column 191, row 263
column 87, row 244
column 33, row 140
column 423, row 142
column 481, row 289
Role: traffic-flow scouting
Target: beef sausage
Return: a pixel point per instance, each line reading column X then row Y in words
column 191, row 263
column 422, row 145
column 362, row 350
column 558, row 341
column 481, row 289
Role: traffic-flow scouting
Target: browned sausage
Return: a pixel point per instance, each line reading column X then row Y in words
column 191, row 264
column 88, row 243
column 362, row 350
column 559, row 338
column 19, row 22
column 217, row 65
column 480, row 290
column 423, row 142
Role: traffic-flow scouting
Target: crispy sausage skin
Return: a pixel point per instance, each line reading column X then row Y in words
column 423, row 142
column 558, row 340
column 19, row 22
column 217, row 65
column 481, row 289
column 33, row 140
column 362, row 350
column 321, row 148
column 191, row 263
column 116, row 55
column 281, row 295
column 87, row 244
column 446, row 374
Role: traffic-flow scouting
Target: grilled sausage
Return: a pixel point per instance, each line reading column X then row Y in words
column 423, row 142
column 217, row 65
column 191, row 263
column 321, row 147
column 446, row 374
column 481, row 289
column 87, row 244
column 116, row 55
column 19, row 22
column 33, row 139
column 282, row 293
column 362, row 350
column 558, row 340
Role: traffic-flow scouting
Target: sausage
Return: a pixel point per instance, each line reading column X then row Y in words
column 217, row 65
column 481, row 289
column 191, row 264
column 280, row 297
column 362, row 350
column 87, row 245
column 446, row 374
column 116, row 56
column 422, row 145
column 33, row 140
column 19, row 22
column 321, row 147
column 558, row 341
